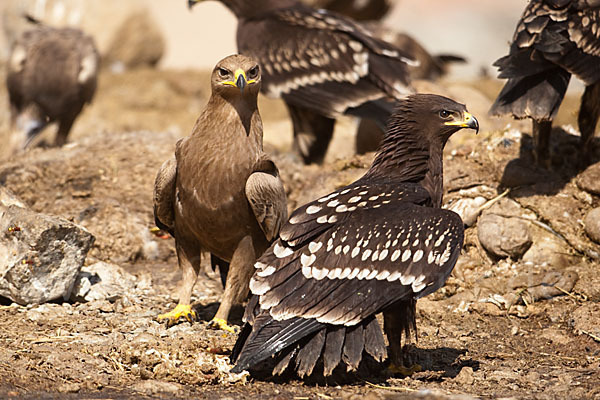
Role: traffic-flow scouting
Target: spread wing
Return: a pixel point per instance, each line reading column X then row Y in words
column 266, row 195
column 320, row 60
column 164, row 196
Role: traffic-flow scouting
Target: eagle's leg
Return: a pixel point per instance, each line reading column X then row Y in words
column 312, row 133
column 541, row 142
column 398, row 321
column 241, row 268
column 587, row 120
column 183, row 311
column 64, row 127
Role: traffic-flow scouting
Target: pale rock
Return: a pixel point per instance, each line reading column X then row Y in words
column 40, row 255
column 102, row 281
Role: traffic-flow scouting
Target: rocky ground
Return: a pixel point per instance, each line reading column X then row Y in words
column 519, row 317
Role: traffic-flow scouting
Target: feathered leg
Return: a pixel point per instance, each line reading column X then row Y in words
column 541, row 141
column 588, row 119
column 241, row 268
column 312, row 133
column 64, row 127
column 190, row 265
column 398, row 321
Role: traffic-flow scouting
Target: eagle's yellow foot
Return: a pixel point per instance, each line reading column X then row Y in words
column 218, row 323
column 404, row 371
column 182, row 311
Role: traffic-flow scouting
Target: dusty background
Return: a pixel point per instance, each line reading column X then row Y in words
column 481, row 335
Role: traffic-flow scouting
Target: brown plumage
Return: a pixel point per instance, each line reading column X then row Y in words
column 373, row 246
column 554, row 39
column 321, row 64
column 51, row 76
column 221, row 193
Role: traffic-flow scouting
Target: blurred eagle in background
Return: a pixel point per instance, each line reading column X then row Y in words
column 52, row 74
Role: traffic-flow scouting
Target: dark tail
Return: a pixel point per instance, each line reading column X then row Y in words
column 330, row 343
column 269, row 337
column 536, row 96
column 216, row 262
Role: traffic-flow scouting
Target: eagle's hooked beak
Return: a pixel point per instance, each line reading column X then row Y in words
column 240, row 80
column 468, row 121
column 192, row 3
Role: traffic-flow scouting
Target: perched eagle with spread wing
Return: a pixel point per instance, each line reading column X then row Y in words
column 374, row 246
column 554, row 39
column 322, row 64
column 52, row 74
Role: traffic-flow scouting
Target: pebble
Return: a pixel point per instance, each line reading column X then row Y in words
column 589, row 180
column 504, row 237
column 592, row 224
column 465, row 376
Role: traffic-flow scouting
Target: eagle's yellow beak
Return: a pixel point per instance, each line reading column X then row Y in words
column 239, row 80
column 468, row 121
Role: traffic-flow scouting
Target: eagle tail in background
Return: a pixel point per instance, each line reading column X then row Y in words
column 537, row 96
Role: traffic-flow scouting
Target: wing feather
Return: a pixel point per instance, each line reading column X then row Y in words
column 164, row 196
column 266, row 195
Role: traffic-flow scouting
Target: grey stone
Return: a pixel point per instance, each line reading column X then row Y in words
column 592, row 224
column 40, row 255
column 503, row 236
column 102, row 281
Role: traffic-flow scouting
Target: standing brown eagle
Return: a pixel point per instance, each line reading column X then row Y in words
column 554, row 39
column 221, row 193
column 321, row 64
column 373, row 246
column 51, row 75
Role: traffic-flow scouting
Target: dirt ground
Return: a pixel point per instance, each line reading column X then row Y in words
column 479, row 336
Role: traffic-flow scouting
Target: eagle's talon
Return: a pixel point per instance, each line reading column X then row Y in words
column 179, row 313
column 404, row 371
column 218, row 323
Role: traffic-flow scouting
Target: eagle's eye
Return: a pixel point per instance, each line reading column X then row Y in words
column 253, row 72
column 223, row 73
column 445, row 114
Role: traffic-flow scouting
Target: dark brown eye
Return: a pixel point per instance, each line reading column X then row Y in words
column 444, row 114
column 253, row 72
column 223, row 73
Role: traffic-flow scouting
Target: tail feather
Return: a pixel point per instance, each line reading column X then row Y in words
column 269, row 337
column 284, row 360
column 354, row 345
column 239, row 343
column 374, row 340
column 309, row 354
column 536, row 96
column 216, row 262
column 332, row 354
